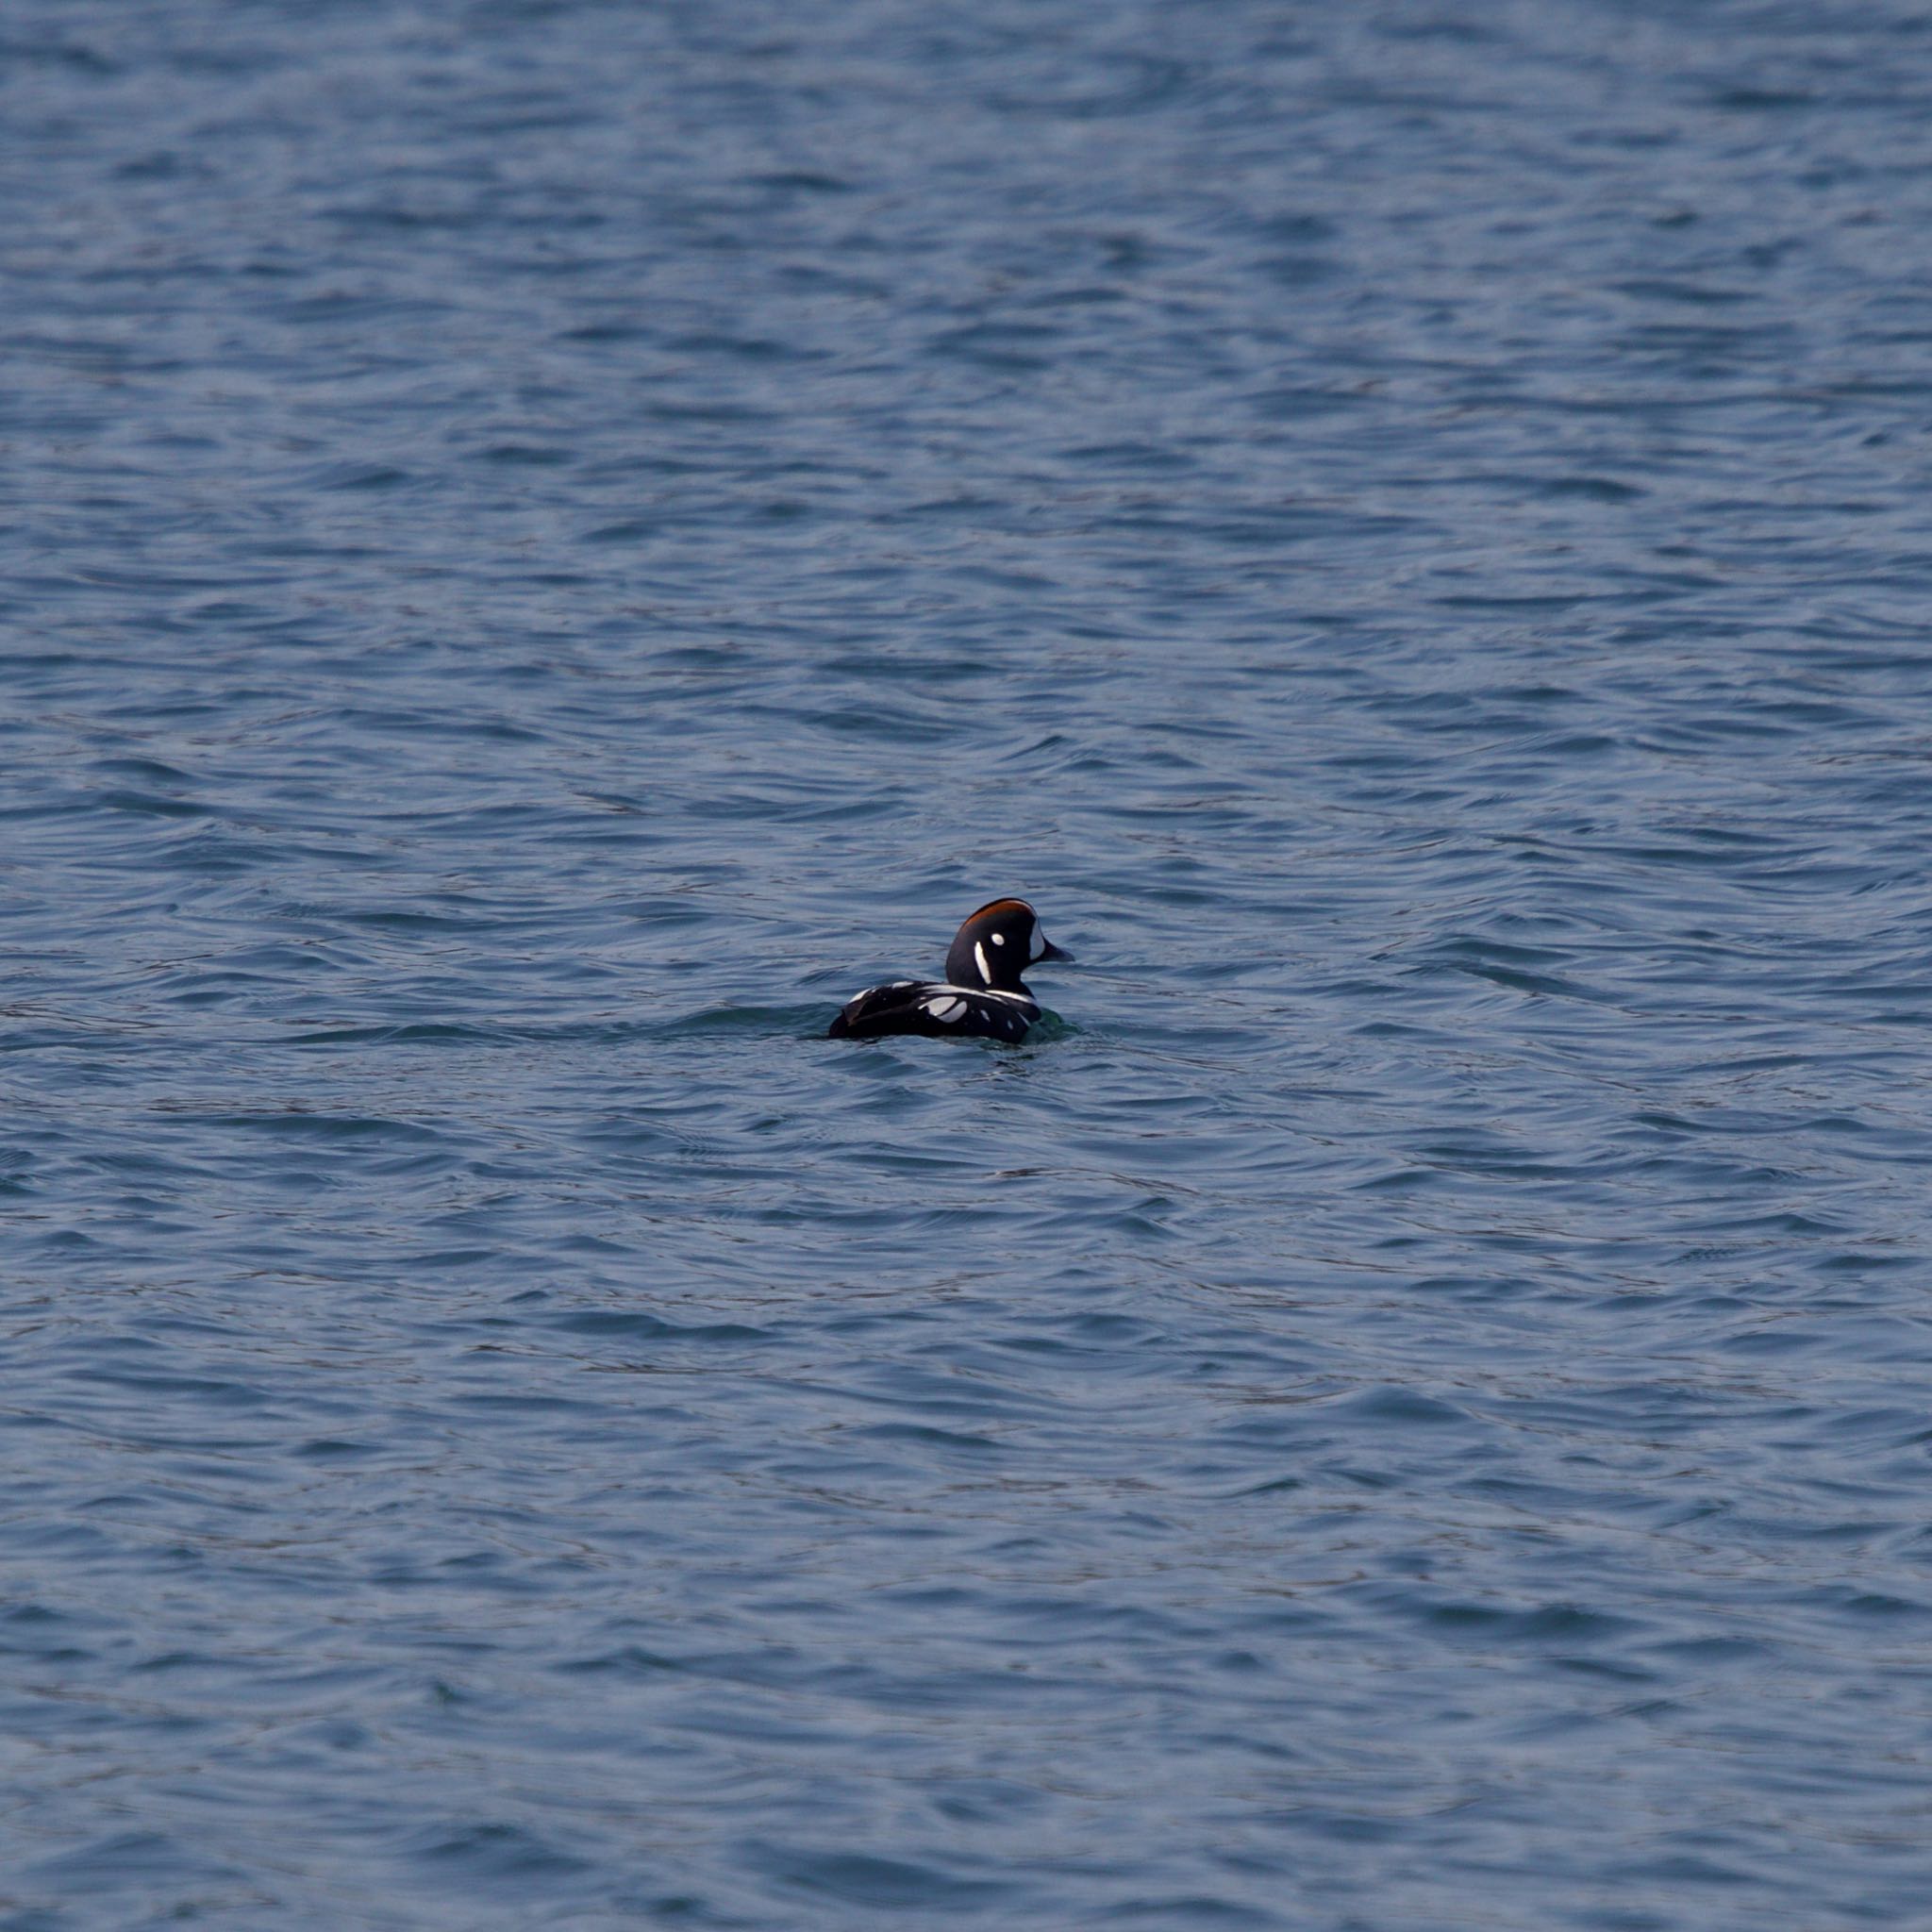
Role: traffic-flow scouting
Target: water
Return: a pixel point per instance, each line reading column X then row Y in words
column 545, row 546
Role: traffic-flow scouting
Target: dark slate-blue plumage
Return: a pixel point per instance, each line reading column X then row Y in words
column 983, row 996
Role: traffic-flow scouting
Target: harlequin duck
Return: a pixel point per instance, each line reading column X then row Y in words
column 982, row 997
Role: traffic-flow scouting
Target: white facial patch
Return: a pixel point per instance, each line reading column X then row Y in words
column 1039, row 943
column 947, row 1010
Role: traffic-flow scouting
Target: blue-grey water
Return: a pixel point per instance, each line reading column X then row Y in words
column 544, row 545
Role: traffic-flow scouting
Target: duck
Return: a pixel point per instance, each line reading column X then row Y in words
column 983, row 996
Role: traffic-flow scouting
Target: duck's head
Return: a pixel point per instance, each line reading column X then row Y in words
column 997, row 944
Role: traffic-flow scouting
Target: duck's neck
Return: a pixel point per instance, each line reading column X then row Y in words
column 976, row 960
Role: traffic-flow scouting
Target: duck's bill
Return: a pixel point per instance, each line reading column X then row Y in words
column 1049, row 951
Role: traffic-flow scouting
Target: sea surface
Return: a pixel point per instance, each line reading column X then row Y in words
column 543, row 546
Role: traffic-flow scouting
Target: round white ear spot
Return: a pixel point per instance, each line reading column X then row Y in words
column 999, row 939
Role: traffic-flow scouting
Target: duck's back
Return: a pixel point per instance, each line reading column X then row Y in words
column 939, row 1011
